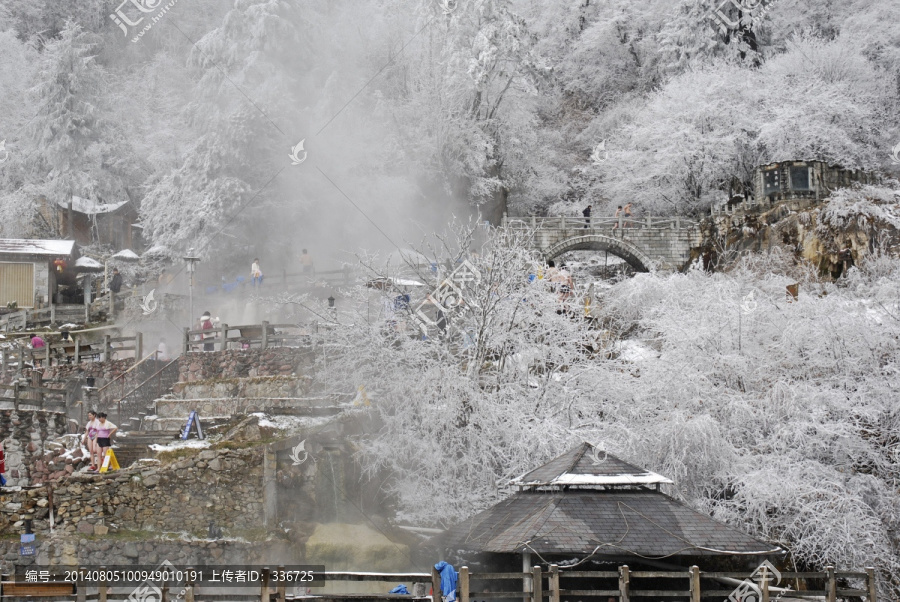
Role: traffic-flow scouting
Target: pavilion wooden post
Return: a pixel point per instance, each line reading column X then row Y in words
column 526, row 576
column 695, row 584
column 537, row 584
column 464, row 584
column 554, row 583
column 435, row 585
column 764, row 583
column 870, row 584
column 624, row 583
column 831, row 585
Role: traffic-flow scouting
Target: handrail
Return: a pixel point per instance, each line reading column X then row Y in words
column 135, row 365
column 149, row 378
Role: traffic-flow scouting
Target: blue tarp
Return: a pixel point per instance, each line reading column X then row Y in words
column 448, row 580
column 400, row 589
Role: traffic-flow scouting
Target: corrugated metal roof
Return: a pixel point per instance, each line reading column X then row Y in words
column 36, row 246
column 586, row 465
column 601, row 523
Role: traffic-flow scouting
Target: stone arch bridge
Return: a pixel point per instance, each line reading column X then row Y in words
column 646, row 243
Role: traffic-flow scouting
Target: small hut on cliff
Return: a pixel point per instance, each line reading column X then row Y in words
column 589, row 507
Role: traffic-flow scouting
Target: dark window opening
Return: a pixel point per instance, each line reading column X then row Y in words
column 800, row 178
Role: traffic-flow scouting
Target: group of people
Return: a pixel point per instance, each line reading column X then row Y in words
column 621, row 211
column 97, row 437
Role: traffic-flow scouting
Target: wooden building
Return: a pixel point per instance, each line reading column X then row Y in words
column 590, row 507
column 31, row 270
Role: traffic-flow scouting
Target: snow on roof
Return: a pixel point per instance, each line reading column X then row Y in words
column 34, row 246
column 90, row 206
column 586, row 465
column 87, row 262
column 126, row 254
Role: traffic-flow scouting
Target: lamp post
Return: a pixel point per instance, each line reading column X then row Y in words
column 331, row 308
column 191, row 261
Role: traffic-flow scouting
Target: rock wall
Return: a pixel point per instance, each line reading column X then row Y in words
column 108, row 551
column 222, row 486
column 23, row 434
column 242, row 363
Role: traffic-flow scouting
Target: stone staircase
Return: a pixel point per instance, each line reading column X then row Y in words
column 135, row 445
column 225, row 400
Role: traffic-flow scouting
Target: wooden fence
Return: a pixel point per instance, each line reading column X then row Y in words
column 73, row 351
column 249, row 336
column 534, row 586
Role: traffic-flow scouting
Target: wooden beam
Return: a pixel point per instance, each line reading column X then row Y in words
column 695, row 584
column 435, row 585
column 624, row 583
column 537, row 584
column 831, row 585
column 870, row 584
column 554, row 583
column 464, row 584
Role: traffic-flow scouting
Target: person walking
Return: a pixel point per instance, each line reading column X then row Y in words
column 206, row 324
column 115, row 285
column 306, row 261
column 627, row 212
column 256, row 274
column 587, row 216
column 105, row 431
column 89, row 439
column 617, row 216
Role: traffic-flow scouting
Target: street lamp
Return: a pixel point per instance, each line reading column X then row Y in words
column 191, row 260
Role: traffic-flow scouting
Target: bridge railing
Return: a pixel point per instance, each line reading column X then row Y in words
column 597, row 223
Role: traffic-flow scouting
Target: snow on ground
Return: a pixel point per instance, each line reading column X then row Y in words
column 193, row 443
column 289, row 423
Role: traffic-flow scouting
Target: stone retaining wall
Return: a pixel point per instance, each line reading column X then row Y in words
column 110, row 551
column 242, row 363
column 222, row 486
column 23, row 434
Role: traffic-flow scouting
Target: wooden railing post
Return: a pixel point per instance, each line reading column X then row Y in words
column 624, row 583
column 186, row 343
column 77, row 351
column 534, row 222
column 138, row 346
column 537, row 585
column 503, row 220
column 279, row 588
column 649, row 222
column 435, row 585
column 464, row 584
column 678, row 222
column 107, row 347
column 831, row 585
column 264, row 585
column 80, row 589
column 870, row 584
column 16, row 395
column 764, row 583
column 102, row 586
column 695, row 583
column 265, row 335
column 554, row 583
column 4, row 358
column 21, row 362
column 224, row 334
column 164, row 592
column 189, row 589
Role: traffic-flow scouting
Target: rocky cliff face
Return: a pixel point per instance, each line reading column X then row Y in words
column 833, row 236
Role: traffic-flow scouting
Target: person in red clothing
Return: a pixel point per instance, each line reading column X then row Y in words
column 206, row 324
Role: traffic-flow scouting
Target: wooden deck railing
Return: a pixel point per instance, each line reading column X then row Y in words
column 74, row 351
column 263, row 335
column 537, row 585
